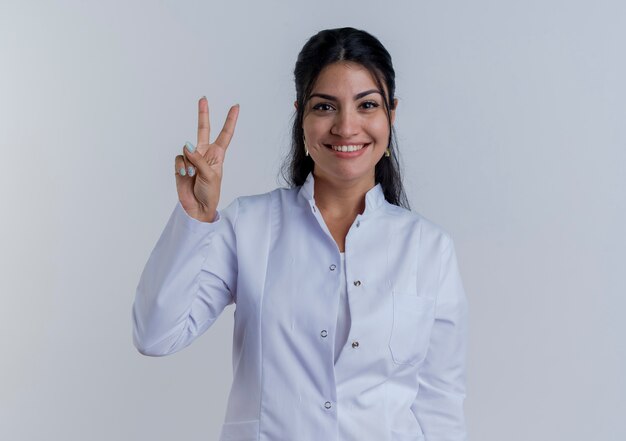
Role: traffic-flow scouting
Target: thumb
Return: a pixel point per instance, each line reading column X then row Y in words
column 195, row 157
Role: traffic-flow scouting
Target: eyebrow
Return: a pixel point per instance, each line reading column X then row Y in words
column 356, row 97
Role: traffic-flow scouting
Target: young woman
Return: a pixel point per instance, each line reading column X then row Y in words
column 350, row 318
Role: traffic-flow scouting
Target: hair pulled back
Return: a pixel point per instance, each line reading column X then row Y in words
column 350, row 45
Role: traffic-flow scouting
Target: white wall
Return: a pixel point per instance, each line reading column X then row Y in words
column 511, row 125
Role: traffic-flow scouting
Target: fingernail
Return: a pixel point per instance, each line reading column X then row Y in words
column 190, row 147
column 203, row 96
column 191, row 171
column 182, row 171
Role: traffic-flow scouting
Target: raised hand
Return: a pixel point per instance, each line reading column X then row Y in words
column 199, row 168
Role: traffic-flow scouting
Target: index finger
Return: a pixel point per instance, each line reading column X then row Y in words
column 204, row 127
column 229, row 127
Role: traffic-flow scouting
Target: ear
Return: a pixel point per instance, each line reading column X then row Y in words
column 295, row 104
column 393, row 111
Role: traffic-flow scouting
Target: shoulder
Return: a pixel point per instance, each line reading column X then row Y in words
column 255, row 206
column 429, row 230
column 263, row 200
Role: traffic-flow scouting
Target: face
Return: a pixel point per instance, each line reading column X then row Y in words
column 346, row 109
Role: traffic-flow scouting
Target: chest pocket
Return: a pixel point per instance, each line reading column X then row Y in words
column 413, row 318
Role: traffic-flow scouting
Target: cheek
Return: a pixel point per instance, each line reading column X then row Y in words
column 380, row 129
column 314, row 128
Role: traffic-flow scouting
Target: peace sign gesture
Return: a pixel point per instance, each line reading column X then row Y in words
column 199, row 169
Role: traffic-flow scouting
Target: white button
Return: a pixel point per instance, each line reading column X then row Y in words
column 358, row 223
column 327, row 405
column 357, row 283
column 324, row 333
column 332, row 267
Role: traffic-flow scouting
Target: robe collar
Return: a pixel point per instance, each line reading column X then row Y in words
column 374, row 197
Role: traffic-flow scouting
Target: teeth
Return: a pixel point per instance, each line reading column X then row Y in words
column 347, row 148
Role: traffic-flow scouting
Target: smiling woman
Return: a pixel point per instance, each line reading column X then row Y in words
column 337, row 72
column 351, row 317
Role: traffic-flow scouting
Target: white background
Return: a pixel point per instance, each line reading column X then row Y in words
column 512, row 128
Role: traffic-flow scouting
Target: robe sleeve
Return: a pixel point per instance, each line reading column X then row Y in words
column 438, row 406
column 188, row 280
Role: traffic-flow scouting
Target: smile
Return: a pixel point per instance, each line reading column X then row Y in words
column 347, row 148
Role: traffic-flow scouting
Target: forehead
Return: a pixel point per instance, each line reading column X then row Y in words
column 347, row 77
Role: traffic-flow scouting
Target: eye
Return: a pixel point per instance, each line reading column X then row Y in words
column 370, row 104
column 322, row 106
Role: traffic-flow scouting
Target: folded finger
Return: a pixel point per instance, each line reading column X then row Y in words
column 180, row 168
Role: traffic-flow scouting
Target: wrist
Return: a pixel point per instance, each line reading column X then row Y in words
column 207, row 216
column 202, row 215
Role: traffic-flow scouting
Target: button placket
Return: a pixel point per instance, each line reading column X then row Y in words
column 324, row 332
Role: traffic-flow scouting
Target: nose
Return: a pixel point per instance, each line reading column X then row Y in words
column 346, row 124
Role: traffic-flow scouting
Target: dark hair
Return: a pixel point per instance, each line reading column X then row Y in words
column 350, row 45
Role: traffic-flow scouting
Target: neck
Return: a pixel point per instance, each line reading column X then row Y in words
column 341, row 198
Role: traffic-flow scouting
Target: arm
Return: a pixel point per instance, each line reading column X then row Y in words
column 189, row 279
column 438, row 406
